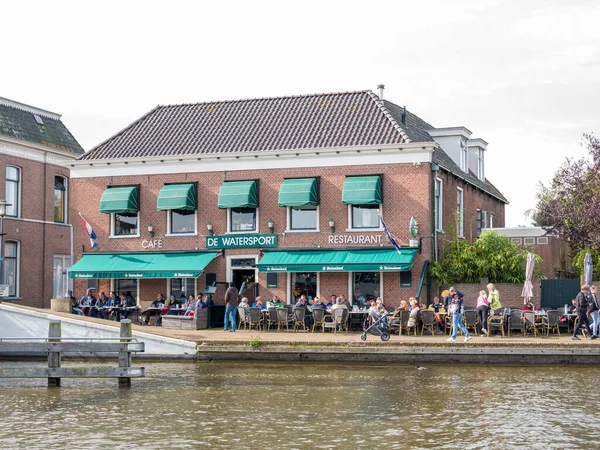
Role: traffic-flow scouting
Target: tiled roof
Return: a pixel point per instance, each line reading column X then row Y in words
column 18, row 121
column 281, row 123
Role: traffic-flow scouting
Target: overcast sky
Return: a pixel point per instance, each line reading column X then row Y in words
column 523, row 75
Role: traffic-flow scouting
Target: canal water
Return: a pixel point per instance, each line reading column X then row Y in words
column 308, row 405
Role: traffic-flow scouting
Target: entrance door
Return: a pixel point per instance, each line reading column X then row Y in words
column 61, row 281
column 244, row 280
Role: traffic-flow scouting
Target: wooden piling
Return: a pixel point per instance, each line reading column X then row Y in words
column 54, row 335
column 124, row 356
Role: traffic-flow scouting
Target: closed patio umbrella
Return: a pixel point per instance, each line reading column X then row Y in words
column 527, row 293
column 588, row 269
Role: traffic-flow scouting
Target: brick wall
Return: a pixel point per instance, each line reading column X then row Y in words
column 38, row 241
column 510, row 293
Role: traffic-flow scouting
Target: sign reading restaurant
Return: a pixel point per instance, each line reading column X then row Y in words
column 363, row 239
column 242, row 241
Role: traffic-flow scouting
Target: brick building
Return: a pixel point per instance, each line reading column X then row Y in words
column 34, row 149
column 280, row 195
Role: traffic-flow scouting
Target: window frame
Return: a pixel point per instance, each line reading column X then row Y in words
column 439, row 204
column 230, row 221
column 288, row 225
column 529, row 239
column 542, row 240
column 518, row 241
column 351, row 285
column 491, row 221
column 460, row 212
column 351, row 227
column 17, row 260
column 18, row 190
column 480, row 164
column 170, row 224
column 479, row 221
column 113, row 287
column 464, row 155
column 169, row 289
column 64, row 200
column 113, row 218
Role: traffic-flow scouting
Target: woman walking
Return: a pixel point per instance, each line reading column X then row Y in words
column 483, row 311
column 457, row 309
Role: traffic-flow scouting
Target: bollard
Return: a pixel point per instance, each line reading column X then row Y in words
column 54, row 335
column 125, row 357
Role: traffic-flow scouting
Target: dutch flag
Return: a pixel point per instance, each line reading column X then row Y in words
column 392, row 239
column 90, row 231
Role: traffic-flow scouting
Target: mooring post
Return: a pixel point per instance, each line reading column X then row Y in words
column 54, row 335
column 125, row 356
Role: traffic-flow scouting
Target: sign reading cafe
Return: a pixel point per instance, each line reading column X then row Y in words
column 242, row 241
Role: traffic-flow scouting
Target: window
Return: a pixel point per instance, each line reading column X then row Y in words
column 185, row 286
column 439, row 199
column 464, row 162
column 302, row 218
column 518, row 241
column 125, row 224
column 460, row 213
column 243, row 219
column 124, row 286
column 272, row 280
column 61, row 282
column 542, row 240
column 92, row 284
column 13, row 191
column 529, row 241
column 304, row 283
column 485, row 219
column 406, row 279
column 182, row 221
column 365, row 216
column 479, row 222
column 480, row 164
column 60, row 199
column 10, row 269
column 491, row 221
column 366, row 285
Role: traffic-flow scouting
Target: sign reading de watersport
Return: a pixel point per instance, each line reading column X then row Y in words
column 242, row 241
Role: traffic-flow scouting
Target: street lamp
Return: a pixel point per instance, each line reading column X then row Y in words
column 3, row 207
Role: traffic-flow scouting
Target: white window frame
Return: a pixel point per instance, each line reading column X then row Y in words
column 351, row 287
column 464, row 155
column 168, row 289
column 530, row 239
column 542, row 240
column 478, row 221
column 243, row 232
column 18, row 271
column 113, row 287
column 19, row 190
column 358, row 230
column 517, row 241
column 288, row 290
column 485, row 220
column 439, row 196
column 170, row 233
column 127, row 236
column 460, row 212
column 288, row 228
column 491, row 221
column 480, row 164
column 66, row 265
column 66, row 199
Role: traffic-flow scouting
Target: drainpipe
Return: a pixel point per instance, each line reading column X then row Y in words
column 435, row 170
column 45, row 185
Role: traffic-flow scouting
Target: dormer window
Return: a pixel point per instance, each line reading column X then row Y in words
column 480, row 164
column 464, row 161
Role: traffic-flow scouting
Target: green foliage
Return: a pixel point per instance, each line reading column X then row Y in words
column 491, row 256
column 580, row 256
column 255, row 342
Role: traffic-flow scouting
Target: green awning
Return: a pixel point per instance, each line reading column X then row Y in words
column 141, row 265
column 362, row 191
column 238, row 194
column 373, row 260
column 120, row 200
column 177, row 196
column 299, row 192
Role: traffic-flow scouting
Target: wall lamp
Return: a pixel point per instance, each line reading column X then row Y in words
column 151, row 229
column 270, row 225
column 332, row 225
column 209, row 227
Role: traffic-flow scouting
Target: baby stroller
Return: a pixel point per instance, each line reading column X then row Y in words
column 379, row 327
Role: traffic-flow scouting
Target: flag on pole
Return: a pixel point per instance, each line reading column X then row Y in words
column 90, row 231
column 392, row 239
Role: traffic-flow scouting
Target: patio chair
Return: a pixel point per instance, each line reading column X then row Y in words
column 345, row 316
column 283, row 319
column 497, row 322
column 299, row 316
column 402, row 322
column 338, row 315
column 515, row 322
column 290, row 310
column 242, row 316
column 272, row 318
column 531, row 324
column 255, row 319
column 318, row 317
column 470, row 320
column 428, row 321
column 553, row 321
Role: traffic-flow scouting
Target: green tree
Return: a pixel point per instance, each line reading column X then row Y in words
column 491, row 256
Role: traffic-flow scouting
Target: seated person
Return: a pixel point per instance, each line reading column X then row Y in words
column 572, row 309
column 259, row 304
column 101, row 303
column 74, row 304
column 276, row 302
column 86, row 302
column 447, row 298
column 413, row 319
column 376, row 311
column 202, row 301
column 189, row 306
column 529, row 307
column 331, row 302
column 318, row 304
column 158, row 303
column 403, row 306
column 244, row 304
column 436, row 306
column 345, row 302
column 339, row 304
